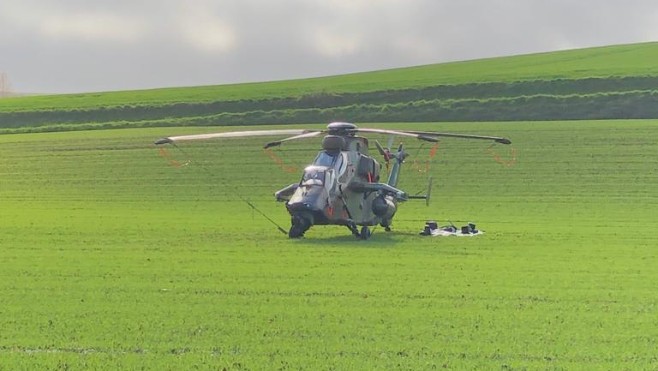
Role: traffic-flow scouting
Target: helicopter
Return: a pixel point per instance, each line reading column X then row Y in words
column 343, row 185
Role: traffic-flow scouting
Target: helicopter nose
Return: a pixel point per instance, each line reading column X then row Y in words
column 299, row 206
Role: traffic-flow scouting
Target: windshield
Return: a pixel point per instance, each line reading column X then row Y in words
column 313, row 177
column 327, row 159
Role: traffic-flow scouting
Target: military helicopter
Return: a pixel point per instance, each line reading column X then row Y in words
column 342, row 186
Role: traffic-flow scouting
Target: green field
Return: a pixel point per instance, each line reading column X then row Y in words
column 617, row 60
column 110, row 258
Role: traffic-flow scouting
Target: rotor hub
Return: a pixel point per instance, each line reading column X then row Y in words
column 341, row 128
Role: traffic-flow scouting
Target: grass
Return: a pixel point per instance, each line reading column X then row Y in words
column 110, row 258
column 619, row 60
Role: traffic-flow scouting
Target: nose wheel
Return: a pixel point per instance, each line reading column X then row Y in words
column 300, row 225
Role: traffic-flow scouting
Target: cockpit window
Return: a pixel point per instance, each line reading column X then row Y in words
column 313, row 177
column 326, row 159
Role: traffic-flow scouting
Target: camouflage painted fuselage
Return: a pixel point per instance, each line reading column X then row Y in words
column 341, row 187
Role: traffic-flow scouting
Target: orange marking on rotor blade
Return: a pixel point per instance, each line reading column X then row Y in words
column 498, row 159
column 434, row 149
column 277, row 160
column 167, row 156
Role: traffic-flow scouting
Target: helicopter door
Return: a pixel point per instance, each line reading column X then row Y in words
column 329, row 179
column 341, row 164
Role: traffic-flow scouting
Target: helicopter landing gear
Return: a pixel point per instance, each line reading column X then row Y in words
column 365, row 233
column 295, row 232
column 299, row 226
column 354, row 229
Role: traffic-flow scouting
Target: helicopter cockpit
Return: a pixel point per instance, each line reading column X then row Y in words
column 331, row 160
column 318, row 176
column 328, row 159
column 313, row 176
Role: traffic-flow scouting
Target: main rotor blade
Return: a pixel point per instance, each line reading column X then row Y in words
column 420, row 136
column 464, row 136
column 308, row 134
column 231, row 134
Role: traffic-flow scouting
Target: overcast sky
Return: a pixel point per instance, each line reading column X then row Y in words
column 62, row 46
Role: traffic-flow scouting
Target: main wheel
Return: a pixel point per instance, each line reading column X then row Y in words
column 365, row 233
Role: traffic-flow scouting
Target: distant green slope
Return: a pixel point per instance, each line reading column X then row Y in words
column 623, row 60
column 604, row 82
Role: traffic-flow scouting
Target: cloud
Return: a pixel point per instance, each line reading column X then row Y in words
column 56, row 23
column 91, row 27
column 207, row 33
column 81, row 45
column 333, row 43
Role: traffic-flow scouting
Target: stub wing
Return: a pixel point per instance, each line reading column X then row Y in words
column 285, row 193
column 380, row 187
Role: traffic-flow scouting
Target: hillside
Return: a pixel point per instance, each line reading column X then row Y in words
column 595, row 83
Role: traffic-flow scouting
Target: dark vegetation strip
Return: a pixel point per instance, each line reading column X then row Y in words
column 592, row 98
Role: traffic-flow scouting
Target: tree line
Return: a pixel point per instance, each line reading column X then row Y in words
column 595, row 98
